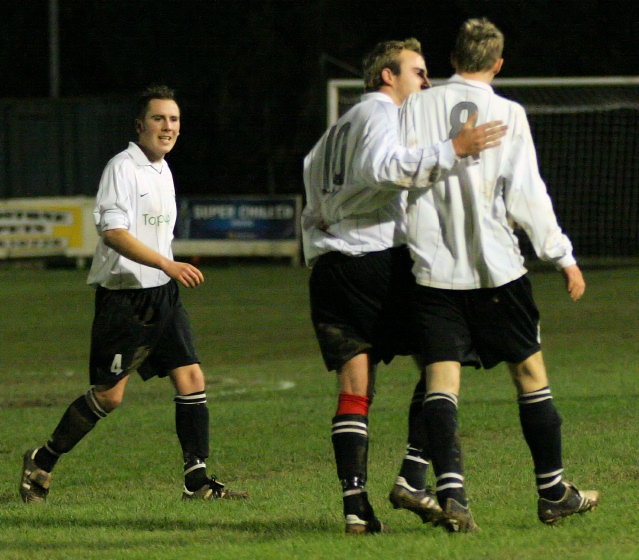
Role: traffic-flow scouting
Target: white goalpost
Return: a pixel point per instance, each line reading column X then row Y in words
column 586, row 131
column 341, row 94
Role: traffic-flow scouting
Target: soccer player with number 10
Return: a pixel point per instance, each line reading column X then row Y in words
column 354, row 230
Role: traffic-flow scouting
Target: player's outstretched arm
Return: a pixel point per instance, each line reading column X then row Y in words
column 575, row 283
column 128, row 246
column 472, row 139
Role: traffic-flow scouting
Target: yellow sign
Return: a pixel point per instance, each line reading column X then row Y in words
column 46, row 227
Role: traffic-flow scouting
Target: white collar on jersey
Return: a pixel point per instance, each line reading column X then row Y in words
column 378, row 95
column 140, row 158
column 456, row 78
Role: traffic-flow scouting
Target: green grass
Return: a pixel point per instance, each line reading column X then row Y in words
column 117, row 494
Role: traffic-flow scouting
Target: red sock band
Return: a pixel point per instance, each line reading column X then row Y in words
column 352, row 404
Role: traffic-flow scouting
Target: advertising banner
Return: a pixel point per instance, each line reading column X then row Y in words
column 248, row 218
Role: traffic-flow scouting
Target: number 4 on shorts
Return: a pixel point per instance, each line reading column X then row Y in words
column 116, row 364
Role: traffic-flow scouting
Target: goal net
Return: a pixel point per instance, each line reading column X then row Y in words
column 586, row 132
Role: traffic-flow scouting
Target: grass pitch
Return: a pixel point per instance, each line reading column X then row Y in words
column 117, row 495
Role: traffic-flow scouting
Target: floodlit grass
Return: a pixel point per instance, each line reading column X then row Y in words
column 117, row 495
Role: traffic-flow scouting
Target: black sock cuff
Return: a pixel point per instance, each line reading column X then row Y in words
column 198, row 397
column 89, row 407
column 350, row 424
column 534, row 397
column 440, row 399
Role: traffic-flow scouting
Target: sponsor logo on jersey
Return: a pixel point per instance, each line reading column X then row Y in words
column 156, row 220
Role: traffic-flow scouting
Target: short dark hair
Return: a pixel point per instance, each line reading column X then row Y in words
column 385, row 55
column 152, row 92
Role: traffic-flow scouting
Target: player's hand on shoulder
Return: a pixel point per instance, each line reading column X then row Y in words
column 575, row 283
column 472, row 139
column 184, row 273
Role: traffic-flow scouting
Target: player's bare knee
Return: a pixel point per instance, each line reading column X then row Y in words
column 188, row 379
column 529, row 375
column 356, row 376
column 106, row 398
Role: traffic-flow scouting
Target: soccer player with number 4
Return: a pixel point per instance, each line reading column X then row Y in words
column 354, row 232
column 140, row 323
column 474, row 302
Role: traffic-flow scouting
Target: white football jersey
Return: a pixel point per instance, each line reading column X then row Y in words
column 460, row 230
column 138, row 196
column 354, row 178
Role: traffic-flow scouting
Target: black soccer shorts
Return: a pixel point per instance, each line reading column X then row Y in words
column 145, row 330
column 360, row 305
column 481, row 327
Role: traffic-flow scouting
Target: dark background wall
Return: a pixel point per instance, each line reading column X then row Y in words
column 251, row 74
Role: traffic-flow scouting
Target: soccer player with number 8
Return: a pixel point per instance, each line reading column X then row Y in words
column 473, row 302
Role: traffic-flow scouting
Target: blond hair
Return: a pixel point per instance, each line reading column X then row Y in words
column 478, row 46
column 385, row 55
